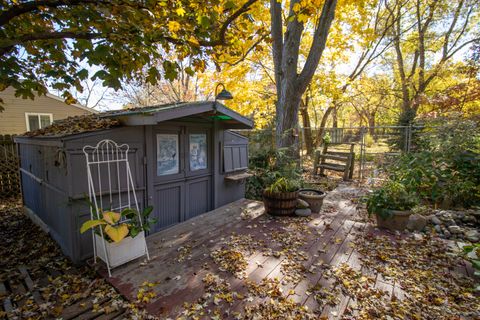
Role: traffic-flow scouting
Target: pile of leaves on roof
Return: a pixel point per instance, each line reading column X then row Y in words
column 74, row 125
column 38, row 282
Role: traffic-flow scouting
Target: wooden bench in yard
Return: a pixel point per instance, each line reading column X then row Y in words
column 344, row 160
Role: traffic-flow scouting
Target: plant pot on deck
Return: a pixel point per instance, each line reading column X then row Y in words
column 396, row 221
column 313, row 197
column 121, row 252
column 280, row 203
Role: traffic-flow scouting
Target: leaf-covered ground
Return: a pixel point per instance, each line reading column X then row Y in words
column 431, row 280
column 38, row 282
column 269, row 268
column 331, row 265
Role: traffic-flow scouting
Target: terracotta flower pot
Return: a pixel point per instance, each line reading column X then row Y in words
column 396, row 222
column 280, row 203
column 313, row 197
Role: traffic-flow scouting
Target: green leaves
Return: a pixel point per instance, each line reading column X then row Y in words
column 170, row 69
column 120, row 38
column 446, row 169
column 391, row 196
column 153, row 75
column 118, row 225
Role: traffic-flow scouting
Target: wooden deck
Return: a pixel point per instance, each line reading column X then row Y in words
column 181, row 258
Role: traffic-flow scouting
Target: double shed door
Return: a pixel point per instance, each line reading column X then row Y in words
column 180, row 177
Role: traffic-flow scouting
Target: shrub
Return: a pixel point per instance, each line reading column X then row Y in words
column 391, row 196
column 369, row 141
column 268, row 166
column 283, row 185
column 445, row 166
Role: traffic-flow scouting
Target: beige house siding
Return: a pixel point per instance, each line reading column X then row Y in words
column 13, row 120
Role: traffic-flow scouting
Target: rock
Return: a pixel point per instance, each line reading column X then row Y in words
column 469, row 218
column 438, row 229
column 445, row 215
column 416, row 222
column 303, row 212
column 302, row 204
column 455, row 229
column 472, row 235
column 436, row 221
column 459, row 215
column 418, row 236
column 450, row 222
column 447, row 234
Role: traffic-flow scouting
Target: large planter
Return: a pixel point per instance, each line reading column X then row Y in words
column 397, row 221
column 122, row 252
column 313, row 197
column 280, row 203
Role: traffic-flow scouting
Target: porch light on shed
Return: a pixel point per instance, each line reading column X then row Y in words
column 224, row 94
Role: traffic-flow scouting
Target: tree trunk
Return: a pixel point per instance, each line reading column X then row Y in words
column 371, row 124
column 335, row 118
column 323, row 123
column 289, row 83
column 287, row 122
column 307, row 131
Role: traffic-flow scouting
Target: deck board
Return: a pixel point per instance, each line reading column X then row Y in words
column 327, row 243
column 326, row 240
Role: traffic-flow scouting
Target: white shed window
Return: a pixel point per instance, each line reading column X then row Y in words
column 38, row 120
column 198, row 151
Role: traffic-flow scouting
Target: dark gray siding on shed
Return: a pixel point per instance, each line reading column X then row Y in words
column 44, row 182
column 235, row 152
column 78, row 183
column 235, row 159
column 55, row 186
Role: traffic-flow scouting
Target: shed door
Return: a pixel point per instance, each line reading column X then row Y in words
column 180, row 177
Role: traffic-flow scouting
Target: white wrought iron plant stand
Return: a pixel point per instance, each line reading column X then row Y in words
column 108, row 156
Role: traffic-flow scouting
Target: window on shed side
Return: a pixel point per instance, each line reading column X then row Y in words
column 38, row 120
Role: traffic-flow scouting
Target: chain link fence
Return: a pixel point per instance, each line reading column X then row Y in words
column 373, row 146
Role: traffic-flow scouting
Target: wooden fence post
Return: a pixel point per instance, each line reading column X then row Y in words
column 9, row 168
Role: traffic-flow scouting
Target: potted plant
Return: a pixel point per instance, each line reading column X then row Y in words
column 123, row 233
column 280, row 198
column 313, row 197
column 392, row 205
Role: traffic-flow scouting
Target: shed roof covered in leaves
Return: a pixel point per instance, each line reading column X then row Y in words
column 205, row 111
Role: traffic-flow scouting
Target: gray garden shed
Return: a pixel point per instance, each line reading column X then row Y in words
column 185, row 161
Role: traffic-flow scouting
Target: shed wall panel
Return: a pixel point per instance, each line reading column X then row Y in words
column 78, row 186
column 133, row 136
column 234, row 157
column 168, row 205
column 198, row 195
